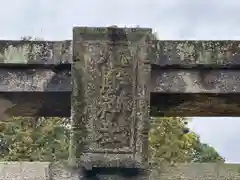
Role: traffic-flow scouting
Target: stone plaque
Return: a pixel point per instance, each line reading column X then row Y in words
column 115, row 73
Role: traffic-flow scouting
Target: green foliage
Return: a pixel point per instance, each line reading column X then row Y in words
column 34, row 139
column 169, row 143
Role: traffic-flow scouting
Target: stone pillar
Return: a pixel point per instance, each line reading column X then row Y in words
column 111, row 76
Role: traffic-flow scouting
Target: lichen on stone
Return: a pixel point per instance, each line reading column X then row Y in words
column 16, row 54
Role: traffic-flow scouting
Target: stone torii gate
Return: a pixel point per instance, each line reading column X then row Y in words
column 107, row 79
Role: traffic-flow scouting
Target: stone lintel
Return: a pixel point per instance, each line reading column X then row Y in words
column 35, row 52
column 195, row 80
column 195, row 52
column 36, row 90
column 163, row 52
column 34, row 78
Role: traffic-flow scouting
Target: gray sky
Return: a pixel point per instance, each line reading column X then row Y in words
column 172, row 19
column 221, row 133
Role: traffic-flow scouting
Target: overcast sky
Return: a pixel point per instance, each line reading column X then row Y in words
column 172, row 19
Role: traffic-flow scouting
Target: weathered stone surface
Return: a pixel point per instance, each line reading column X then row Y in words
column 24, row 171
column 198, row 171
column 195, row 52
column 35, row 91
column 36, row 52
column 60, row 171
column 171, row 80
column 33, row 80
column 19, row 86
column 195, row 81
column 162, row 52
column 110, row 93
column 99, row 34
column 190, row 171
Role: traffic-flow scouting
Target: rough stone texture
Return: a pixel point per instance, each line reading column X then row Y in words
column 202, row 52
column 196, row 171
column 24, row 171
column 34, row 91
column 195, row 81
column 111, row 75
column 195, row 52
column 162, row 52
column 60, row 171
column 19, row 86
column 171, row 80
column 32, row 80
column 36, row 52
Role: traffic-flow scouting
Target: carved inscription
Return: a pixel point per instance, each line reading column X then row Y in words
column 110, row 80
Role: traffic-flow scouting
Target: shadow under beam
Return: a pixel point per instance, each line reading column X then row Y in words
column 45, row 104
column 195, row 104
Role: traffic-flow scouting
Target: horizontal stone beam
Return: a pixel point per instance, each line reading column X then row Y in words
column 36, row 90
column 35, row 52
column 52, row 78
column 61, row 170
column 194, row 52
column 43, row 90
column 195, row 80
column 195, row 92
column 34, row 78
column 161, row 53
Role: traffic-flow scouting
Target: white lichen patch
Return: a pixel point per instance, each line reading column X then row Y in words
column 16, row 54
